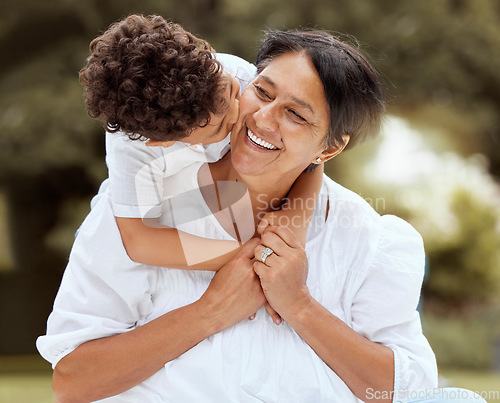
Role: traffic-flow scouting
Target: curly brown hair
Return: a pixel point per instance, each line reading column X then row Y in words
column 151, row 79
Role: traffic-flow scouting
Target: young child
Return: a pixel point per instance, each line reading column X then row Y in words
column 168, row 101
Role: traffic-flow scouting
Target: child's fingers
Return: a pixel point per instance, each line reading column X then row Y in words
column 286, row 234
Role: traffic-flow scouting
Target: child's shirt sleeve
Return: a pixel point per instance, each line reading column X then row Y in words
column 136, row 174
column 242, row 70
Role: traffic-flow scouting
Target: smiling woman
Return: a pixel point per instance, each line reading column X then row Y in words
column 348, row 300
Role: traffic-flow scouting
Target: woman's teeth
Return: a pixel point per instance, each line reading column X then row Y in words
column 260, row 142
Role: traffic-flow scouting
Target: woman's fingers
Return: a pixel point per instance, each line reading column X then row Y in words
column 283, row 274
column 259, row 268
column 272, row 240
column 273, row 314
column 281, row 240
column 263, row 224
column 247, row 250
column 258, row 255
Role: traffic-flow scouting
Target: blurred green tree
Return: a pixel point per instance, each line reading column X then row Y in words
column 465, row 265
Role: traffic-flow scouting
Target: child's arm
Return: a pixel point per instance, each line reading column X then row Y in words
column 162, row 247
column 167, row 247
column 298, row 208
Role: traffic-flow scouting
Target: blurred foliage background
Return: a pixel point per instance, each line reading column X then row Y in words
column 437, row 162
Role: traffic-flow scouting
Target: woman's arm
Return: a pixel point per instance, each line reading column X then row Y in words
column 362, row 364
column 111, row 365
column 298, row 208
column 167, row 247
column 108, row 366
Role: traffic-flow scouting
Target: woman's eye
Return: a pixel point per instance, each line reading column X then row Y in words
column 296, row 115
column 262, row 93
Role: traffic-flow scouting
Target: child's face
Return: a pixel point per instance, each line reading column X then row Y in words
column 220, row 125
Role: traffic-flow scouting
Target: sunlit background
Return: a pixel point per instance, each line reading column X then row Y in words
column 436, row 163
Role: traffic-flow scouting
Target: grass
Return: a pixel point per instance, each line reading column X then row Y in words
column 27, row 379
column 477, row 381
column 467, row 341
column 26, row 388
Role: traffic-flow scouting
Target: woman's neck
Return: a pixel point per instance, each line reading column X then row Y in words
column 265, row 194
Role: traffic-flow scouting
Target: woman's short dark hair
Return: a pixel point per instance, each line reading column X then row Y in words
column 152, row 79
column 353, row 89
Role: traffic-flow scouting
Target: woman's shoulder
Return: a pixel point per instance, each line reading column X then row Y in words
column 344, row 202
column 368, row 236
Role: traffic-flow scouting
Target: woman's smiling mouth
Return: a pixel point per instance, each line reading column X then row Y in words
column 260, row 142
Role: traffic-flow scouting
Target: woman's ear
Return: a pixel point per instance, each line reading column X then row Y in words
column 157, row 143
column 329, row 153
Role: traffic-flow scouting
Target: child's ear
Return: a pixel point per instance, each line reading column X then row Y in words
column 157, row 143
column 332, row 152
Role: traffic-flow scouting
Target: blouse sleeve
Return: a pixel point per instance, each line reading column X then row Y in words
column 384, row 308
column 102, row 293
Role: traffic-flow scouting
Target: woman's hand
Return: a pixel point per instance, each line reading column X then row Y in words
column 283, row 275
column 235, row 292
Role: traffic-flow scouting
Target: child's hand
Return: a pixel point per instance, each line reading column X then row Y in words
column 272, row 219
column 296, row 221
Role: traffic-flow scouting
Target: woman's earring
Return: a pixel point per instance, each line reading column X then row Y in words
column 318, row 160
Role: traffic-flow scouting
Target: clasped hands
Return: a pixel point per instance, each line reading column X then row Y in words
column 241, row 287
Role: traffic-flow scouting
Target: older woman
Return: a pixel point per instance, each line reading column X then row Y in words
column 348, row 300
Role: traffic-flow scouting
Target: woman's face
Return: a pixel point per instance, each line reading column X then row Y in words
column 283, row 119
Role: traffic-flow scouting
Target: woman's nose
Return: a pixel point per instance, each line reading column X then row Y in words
column 265, row 118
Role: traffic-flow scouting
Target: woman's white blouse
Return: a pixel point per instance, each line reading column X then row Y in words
column 365, row 268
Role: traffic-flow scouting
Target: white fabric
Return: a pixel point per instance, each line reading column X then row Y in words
column 137, row 172
column 366, row 269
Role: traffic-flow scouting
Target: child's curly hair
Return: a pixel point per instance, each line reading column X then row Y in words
column 152, row 79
